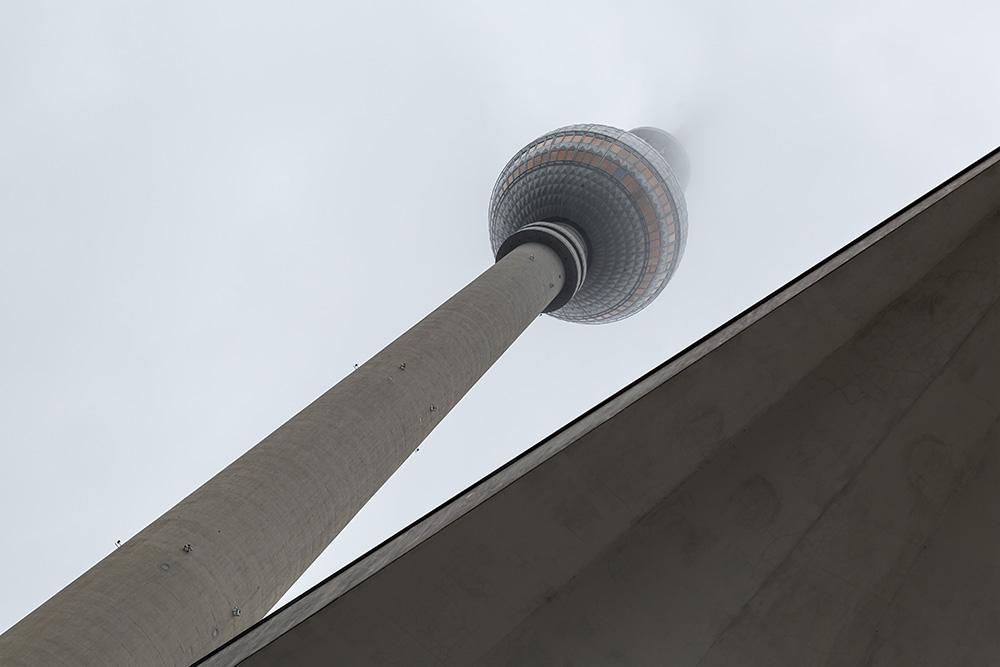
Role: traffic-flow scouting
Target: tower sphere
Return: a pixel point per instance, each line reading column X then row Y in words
column 621, row 192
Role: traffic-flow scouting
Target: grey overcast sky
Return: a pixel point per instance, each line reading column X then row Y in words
column 210, row 211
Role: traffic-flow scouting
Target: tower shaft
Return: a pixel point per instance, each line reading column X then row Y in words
column 221, row 558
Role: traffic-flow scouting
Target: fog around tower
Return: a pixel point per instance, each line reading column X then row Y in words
column 210, row 213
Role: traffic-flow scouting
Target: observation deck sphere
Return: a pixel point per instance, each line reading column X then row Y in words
column 623, row 196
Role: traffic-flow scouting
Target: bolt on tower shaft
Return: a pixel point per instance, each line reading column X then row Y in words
column 221, row 558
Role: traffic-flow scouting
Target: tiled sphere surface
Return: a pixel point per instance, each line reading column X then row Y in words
column 622, row 195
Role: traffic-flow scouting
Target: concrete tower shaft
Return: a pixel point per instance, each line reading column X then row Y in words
column 221, row 558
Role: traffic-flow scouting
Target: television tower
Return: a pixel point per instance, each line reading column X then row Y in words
column 588, row 224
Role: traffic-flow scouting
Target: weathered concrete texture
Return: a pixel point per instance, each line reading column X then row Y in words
column 256, row 526
column 814, row 484
column 789, row 545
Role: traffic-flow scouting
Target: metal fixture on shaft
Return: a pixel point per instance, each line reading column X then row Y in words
column 587, row 224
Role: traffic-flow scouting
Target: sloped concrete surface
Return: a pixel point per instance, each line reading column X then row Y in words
column 789, row 546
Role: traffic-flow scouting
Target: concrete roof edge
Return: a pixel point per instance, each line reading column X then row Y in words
column 345, row 579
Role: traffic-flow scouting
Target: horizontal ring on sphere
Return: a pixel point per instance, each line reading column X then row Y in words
column 619, row 192
column 569, row 246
